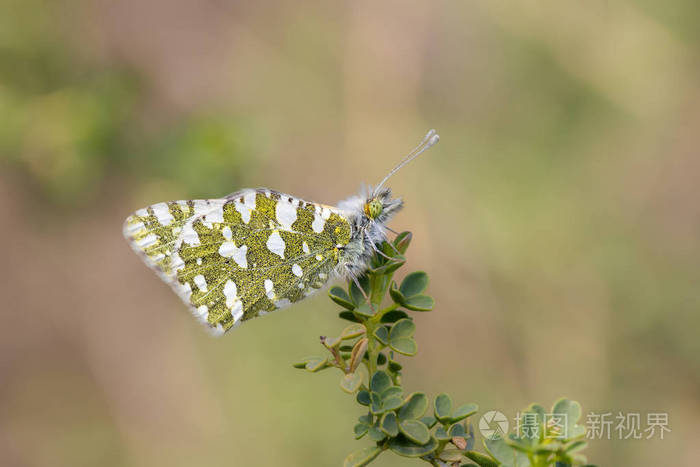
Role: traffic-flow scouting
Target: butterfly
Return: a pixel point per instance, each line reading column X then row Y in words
column 255, row 251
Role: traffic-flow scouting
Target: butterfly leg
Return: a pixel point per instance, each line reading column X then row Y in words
column 357, row 283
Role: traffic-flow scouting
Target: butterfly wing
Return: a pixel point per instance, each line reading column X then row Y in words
column 242, row 256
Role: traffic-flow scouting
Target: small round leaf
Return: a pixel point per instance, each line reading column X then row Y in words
column 339, row 296
column 380, row 382
column 382, row 334
column 363, row 398
column 402, row 328
column 396, row 295
column 393, row 316
column 419, row 303
column 351, row 382
column 443, row 407
column 405, row 345
column 360, row 430
column 415, row 430
column 463, row 412
column 389, row 424
column 362, row 457
column 352, row 331
column 414, row 284
column 407, row 448
column 415, row 406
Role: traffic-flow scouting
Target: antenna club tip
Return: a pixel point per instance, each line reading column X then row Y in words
column 433, row 140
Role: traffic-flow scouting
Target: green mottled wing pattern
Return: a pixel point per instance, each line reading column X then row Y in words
column 242, row 256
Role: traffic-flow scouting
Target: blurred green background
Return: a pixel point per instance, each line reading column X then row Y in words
column 558, row 217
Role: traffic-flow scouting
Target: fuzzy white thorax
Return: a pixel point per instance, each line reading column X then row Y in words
column 366, row 233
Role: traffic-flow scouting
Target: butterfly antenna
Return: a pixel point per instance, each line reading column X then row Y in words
column 430, row 140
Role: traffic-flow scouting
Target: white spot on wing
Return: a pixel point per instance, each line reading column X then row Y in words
column 246, row 206
column 189, row 235
column 162, row 213
column 131, row 229
column 215, row 215
column 305, row 248
column 296, row 270
column 230, row 250
column 202, row 313
column 286, row 214
column 269, row 289
column 226, row 232
column 232, row 300
column 319, row 258
column 147, row 241
column 200, row 282
column 319, row 221
column 275, row 244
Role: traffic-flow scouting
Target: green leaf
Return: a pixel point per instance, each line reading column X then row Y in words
column 393, row 391
column 380, row 382
column 429, row 421
column 330, row 342
column 415, row 430
column 457, row 430
column 314, row 364
column 352, row 331
column 407, row 448
column 362, row 457
column 365, row 310
column 463, row 412
column 451, row 455
column 363, row 397
column 351, row 382
column 360, row 430
column 419, row 303
column 441, row 434
column 402, row 328
column 413, row 284
column 349, row 316
column 389, row 424
column 393, row 316
column 375, row 406
column 389, row 266
column 358, row 353
column 505, row 454
column 402, row 241
column 443, row 407
column 394, row 366
column 406, row 346
column 571, row 413
column 356, row 294
column 382, row 333
column 392, row 403
column 396, row 295
column 482, row 460
column 375, row 434
column 415, row 406
column 339, row 296
column 381, row 359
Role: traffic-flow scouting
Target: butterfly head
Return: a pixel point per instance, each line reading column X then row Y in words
column 380, row 206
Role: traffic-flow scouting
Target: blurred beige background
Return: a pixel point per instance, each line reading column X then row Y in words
column 558, row 217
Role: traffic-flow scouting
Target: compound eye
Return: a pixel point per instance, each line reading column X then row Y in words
column 374, row 208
